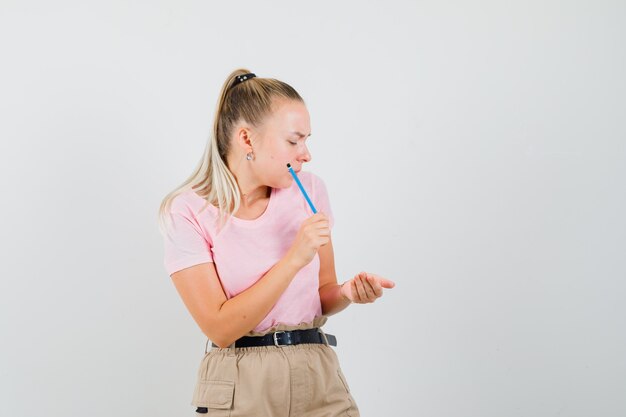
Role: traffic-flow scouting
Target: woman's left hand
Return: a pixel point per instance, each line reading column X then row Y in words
column 365, row 287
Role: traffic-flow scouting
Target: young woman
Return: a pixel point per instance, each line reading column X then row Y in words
column 255, row 267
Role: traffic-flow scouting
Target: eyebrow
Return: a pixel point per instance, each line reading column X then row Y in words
column 300, row 134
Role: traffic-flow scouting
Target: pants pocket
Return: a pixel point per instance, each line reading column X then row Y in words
column 353, row 411
column 343, row 380
column 213, row 398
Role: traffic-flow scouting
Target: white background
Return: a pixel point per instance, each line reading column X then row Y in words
column 474, row 153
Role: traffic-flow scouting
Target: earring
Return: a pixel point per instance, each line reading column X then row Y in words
column 249, row 156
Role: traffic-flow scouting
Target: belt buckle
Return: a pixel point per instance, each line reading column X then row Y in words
column 276, row 339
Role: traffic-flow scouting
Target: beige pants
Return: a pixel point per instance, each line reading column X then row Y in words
column 291, row 381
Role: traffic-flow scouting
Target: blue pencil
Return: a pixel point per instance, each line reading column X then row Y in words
column 295, row 177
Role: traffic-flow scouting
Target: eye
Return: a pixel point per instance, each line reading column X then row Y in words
column 293, row 143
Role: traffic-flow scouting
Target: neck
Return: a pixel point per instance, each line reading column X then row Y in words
column 251, row 189
column 254, row 195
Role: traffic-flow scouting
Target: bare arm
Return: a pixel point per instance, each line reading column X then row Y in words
column 330, row 292
column 224, row 321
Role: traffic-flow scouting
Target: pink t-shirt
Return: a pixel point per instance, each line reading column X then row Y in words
column 244, row 250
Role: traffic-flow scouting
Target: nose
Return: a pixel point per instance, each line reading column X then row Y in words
column 304, row 155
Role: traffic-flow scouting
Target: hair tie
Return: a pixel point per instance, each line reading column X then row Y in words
column 244, row 77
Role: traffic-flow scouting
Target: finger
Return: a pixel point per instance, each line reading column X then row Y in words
column 369, row 293
column 324, row 232
column 376, row 287
column 354, row 291
column 369, row 290
column 378, row 277
column 387, row 283
column 379, row 281
column 321, row 216
column 360, row 290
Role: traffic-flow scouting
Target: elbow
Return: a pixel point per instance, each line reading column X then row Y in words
column 220, row 339
column 218, row 335
column 221, row 342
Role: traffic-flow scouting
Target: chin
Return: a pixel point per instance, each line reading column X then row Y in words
column 287, row 183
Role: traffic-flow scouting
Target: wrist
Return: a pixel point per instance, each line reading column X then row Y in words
column 342, row 292
column 291, row 260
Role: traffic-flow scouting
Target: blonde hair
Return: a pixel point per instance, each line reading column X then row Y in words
column 252, row 101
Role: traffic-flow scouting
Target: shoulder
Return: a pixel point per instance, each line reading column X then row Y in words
column 180, row 203
column 186, row 211
column 187, row 203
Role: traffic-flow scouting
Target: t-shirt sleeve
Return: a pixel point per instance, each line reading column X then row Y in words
column 185, row 244
column 322, row 200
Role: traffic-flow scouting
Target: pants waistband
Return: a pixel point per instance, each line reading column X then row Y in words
column 286, row 338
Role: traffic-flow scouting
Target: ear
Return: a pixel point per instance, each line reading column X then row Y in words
column 243, row 138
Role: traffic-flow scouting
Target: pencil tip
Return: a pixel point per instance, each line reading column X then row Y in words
column 288, row 165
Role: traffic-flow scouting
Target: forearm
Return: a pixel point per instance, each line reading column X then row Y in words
column 240, row 314
column 332, row 300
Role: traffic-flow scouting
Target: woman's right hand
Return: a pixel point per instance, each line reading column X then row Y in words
column 314, row 232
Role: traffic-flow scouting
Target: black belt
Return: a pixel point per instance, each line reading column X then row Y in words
column 284, row 338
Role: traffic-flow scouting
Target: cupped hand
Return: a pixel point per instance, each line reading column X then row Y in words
column 365, row 287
